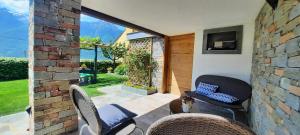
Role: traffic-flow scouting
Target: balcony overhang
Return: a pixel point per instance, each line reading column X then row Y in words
column 175, row 17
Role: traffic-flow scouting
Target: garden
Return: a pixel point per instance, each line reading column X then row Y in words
column 131, row 67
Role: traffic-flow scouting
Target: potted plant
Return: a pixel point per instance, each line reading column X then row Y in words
column 109, row 70
column 187, row 103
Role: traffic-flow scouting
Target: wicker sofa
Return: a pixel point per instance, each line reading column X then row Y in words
column 227, row 85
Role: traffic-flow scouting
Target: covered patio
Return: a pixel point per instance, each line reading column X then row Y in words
column 266, row 55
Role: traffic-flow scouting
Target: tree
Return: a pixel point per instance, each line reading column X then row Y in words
column 92, row 43
column 114, row 52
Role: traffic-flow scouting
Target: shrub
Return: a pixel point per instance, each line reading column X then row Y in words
column 17, row 68
column 121, row 69
column 101, row 65
column 13, row 68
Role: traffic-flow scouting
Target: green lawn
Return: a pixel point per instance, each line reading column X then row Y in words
column 14, row 94
column 102, row 81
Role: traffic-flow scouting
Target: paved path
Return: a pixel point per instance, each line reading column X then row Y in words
column 17, row 124
column 114, row 94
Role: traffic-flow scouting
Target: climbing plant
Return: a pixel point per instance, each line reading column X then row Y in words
column 140, row 66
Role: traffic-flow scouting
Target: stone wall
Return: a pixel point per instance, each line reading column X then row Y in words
column 158, row 49
column 275, row 107
column 53, row 64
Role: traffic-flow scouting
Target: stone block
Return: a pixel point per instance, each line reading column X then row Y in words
column 293, row 45
column 38, row 125
column 267, row 61
column 291, row 25
column 294, row 90
column 285, row 83
column 295, row 12
column 61, row 38
column 68, row 20
column 42, row 75
column 60, row 69
column 274, row 79
column 280, row 60
column 38, row 42
column 65, row 76
column 293, row 101
column 39, row 95
column 286, row 37
column 280, row 49
column 66, row 113
column 294, row 61
column 70, row 14
column 292, row 73
column 39, row 55
column 281, row 113
column 270, row 53
column 285, row 108
column 279, row 93
column 276, row 40
column 55, row 43
column 295, row 117
column 297, row 31
column 279, row 72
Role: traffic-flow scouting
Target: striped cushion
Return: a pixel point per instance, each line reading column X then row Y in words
column 223, row 97
column 205, row 89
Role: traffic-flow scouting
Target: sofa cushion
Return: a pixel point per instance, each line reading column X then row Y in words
column 223, row 97
column 113, row 115
column 206, row 89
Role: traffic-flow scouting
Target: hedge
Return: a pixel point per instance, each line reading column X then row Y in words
column 101, row 65
column 13, row 68
column 17, row 68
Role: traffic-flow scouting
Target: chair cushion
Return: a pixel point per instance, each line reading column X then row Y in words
column 223, row 97
column 112, row 116
column 206, row 89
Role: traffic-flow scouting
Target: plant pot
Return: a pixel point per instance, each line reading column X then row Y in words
column 187, row 106
column 138, row 91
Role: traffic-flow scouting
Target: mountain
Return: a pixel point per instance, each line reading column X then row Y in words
column 14, row 34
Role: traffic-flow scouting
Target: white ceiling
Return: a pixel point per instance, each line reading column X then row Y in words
column 174, row 17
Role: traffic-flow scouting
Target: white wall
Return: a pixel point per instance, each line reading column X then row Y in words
column 232, row 65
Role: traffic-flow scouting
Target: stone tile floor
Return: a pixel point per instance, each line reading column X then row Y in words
column 149, row 109
column 17, row 124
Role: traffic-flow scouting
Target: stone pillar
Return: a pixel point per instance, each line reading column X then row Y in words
column 158, row 50
column 53, row 64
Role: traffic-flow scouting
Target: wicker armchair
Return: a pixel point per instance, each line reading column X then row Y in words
column 197, row 124
column 97, row 119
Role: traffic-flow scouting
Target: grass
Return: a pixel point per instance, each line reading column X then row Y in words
column 14, row 94
column 102, row 81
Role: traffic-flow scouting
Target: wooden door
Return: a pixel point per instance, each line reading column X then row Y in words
column 180, row 63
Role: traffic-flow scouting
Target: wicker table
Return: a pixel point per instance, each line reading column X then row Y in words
column 176, row 106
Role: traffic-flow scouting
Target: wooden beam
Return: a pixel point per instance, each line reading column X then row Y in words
column 165, row 73
column 102, row 16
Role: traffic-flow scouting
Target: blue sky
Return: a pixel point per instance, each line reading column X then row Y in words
column 14, row 29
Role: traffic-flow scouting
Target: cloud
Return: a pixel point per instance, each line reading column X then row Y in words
column 16, row 7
